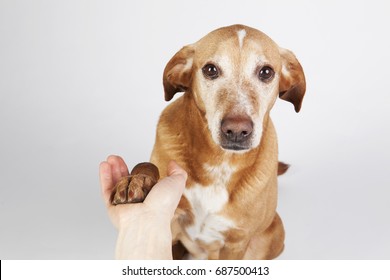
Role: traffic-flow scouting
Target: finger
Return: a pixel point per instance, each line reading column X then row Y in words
column 122, row 167
column 175, row 169
column 166, row 193
column 106, row 181
column 118, row 167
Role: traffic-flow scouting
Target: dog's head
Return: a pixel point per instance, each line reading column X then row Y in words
column 235, row 74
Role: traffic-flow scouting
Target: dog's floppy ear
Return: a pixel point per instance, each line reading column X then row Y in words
column 292, row 85
column 178, row 72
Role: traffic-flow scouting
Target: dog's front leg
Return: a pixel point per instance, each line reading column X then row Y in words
column 236, row 242
column 234, row 250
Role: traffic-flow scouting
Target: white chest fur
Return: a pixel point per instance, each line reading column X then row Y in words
column 207, row 203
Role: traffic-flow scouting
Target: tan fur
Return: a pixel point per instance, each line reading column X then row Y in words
column 188, row 133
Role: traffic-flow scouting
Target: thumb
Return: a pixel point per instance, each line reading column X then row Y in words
column 166, row 194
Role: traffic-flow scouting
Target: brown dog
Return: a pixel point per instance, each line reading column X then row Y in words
column 220, row 132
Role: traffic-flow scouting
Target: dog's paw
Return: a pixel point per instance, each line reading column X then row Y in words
column 135, row 187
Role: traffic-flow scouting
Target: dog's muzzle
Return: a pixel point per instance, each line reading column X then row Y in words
column 236, row 132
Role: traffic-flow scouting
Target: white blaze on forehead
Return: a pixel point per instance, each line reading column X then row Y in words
column 241, row 35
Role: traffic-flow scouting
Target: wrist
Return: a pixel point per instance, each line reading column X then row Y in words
column 144, row 240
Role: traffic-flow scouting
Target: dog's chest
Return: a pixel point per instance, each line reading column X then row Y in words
column 207, row 202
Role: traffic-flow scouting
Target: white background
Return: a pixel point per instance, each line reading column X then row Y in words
column 80, row 80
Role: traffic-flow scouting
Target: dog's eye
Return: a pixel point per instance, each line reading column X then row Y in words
column 266, row 74
column 210, row 71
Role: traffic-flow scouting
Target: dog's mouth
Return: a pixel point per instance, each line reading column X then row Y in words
column 235, row 146
column 236, row 143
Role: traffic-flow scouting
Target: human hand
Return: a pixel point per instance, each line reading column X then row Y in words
column 144, row 228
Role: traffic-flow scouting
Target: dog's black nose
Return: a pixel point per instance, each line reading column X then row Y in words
column 236, row 130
